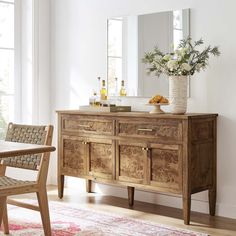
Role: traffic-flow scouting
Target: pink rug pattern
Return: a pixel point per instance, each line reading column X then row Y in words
column 67, row 220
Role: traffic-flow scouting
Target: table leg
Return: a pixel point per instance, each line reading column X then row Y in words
column 212, row 201
column 186, row 209
column 130, row 195
column 60, row 181
column 89, row 186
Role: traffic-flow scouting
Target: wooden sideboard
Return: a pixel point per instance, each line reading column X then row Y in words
column 166, row 153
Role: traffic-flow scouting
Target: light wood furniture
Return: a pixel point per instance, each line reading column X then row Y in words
column 167, row 153
column 11, row 149
column 17, row 152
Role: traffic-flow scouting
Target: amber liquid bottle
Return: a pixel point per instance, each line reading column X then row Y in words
column 122, row 89
column 103, row 91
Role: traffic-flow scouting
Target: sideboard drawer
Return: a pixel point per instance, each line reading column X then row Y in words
column 87, row 124
column 159, row 128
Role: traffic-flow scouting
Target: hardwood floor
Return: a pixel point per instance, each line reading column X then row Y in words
column 215, row 226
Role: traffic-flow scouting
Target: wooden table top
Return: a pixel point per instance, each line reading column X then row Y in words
column 9, row 149
column 137, row 114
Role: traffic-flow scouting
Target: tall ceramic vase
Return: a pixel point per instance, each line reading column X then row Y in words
column 178, row 94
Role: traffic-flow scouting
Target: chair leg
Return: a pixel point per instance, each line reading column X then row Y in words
column 44, row 211
column 5, row 220
column 2, row 207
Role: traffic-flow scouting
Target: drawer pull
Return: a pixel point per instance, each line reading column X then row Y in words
column 145, row 149
column 84, row 126
column 85, row 143
column 143, row 129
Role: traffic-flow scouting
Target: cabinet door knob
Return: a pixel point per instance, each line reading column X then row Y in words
column 145, row 148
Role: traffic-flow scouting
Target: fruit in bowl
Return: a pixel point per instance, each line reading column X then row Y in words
column 157, row 99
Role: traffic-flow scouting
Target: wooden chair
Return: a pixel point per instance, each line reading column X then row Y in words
column 38, row 162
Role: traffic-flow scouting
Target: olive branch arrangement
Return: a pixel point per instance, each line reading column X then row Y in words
column 185, row 60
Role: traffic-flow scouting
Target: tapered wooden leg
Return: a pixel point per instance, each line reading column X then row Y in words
column 5, row 221
column 212, row 190
column 89, row 186
column 2, row 170
column 2, row 208
column 60, row 180
column 186, row 209
column 4, row 214
column 44, row 211
column 130, row 195
column 212, row 201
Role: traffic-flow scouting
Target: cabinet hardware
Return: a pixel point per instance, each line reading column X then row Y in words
column 145, row 148
column 85, row 143
column 84, row 126
column 143, row 129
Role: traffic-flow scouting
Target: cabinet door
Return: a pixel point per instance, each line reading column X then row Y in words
column 73, row 156
column 165, row 167
column 131, row 162
column 101, row 155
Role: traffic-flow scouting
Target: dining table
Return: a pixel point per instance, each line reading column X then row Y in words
column 11, row 149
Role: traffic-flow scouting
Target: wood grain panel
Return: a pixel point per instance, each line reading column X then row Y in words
column 87, row 124
column 202, row 130
column 167, row 129
column 132, row 162
column 74, row 156
column 100, row 159
column 166, row 169
column 201, row 165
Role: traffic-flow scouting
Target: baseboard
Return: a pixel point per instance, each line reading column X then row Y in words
column 199, row 201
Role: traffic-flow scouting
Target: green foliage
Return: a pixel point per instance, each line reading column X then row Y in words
column 185, row 60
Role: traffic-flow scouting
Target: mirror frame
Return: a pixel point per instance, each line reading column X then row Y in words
column 188, row 22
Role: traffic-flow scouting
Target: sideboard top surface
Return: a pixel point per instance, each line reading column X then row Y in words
column 139, row 114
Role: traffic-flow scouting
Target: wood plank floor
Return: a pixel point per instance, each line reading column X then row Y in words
column 215, row 226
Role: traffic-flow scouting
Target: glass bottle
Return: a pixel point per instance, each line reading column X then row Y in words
column 97, row 101
column 92, row 99
column 116, row 87
column 103, row 91
column 99, row 85
column 122, row 89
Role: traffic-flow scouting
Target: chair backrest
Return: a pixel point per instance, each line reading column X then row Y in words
column 41, row 135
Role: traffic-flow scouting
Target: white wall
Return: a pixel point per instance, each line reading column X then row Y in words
column 79, row 56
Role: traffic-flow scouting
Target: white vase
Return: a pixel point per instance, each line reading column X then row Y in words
column 178, row 94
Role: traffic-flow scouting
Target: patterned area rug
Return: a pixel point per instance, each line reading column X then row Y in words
column 67, row 220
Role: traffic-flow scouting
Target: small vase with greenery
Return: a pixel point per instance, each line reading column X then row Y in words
column 182, row 62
